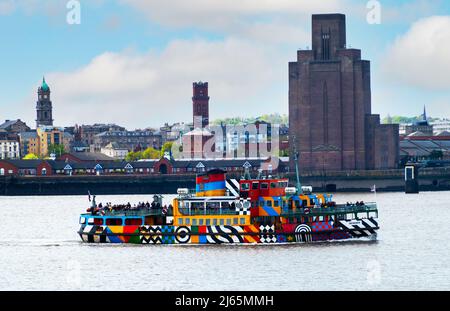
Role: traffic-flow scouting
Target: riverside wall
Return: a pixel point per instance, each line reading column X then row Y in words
column 431, row 179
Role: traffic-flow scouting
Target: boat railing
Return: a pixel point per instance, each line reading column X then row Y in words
column 339, row 209
column 139, row 213
column 207, row 211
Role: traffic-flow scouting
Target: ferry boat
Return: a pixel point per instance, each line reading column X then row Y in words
column 264, row 210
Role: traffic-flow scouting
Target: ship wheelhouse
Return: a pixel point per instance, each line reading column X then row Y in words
column 211, row 211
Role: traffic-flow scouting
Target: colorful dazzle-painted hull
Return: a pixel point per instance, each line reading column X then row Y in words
column 288, row 233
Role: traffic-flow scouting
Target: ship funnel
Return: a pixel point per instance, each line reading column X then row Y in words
column 211, row 184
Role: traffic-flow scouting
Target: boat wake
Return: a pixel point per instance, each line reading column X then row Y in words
column 37, row 243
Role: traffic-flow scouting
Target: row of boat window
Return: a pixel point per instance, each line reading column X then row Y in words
column 264, row 185
column 181, row 221
column 113, row 221
column 211, row 222
column 247, row 204
column 217, row 204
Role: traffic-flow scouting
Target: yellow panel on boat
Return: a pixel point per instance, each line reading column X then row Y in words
column 116, row 229
column 211, row 193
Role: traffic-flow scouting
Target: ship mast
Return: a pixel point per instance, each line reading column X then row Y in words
column 296, row 156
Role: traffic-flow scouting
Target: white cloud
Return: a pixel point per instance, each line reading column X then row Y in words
column 272, row 21
column 6, row 7
column 420, row 58
column 222, row 12
column 139, row 90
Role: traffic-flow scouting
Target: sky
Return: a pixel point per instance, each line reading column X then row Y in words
column 133, row 62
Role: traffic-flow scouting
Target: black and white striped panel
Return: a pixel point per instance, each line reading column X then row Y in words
column 359, row 228
column 93, row 234
column 233, row 186
column 224, row 234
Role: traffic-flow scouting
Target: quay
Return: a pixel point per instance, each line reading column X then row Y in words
column 431, row 179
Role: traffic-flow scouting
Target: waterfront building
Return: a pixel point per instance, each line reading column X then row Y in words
column 174, row 132
column 194, row 143
column 330, row 115
column 51, row 135
column 422, row 126
column 88, row 132
column 38, row 141
column 441, row 126
column 195, row 140
column 79, row 146
column 416, row 148
column 69, row 165
column 25, row 168
column 114, row 150
column 200, row 103
column 129, row 139
column 44, row 109
column 79, row 157
column 14, row 126
column 29, row 143
column 9, row 149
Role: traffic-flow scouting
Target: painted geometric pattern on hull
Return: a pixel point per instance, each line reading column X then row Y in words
column 265, row 234
column 359, row 228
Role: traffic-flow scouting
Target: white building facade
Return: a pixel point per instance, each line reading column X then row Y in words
column 113, row 150
column 9, row 149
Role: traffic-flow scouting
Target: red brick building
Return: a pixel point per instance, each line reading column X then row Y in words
column 330, row 117
column 200, row 103
column 151, row 167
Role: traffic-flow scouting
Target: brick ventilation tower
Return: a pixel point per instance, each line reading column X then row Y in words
column 200, row 102
column 330, row 118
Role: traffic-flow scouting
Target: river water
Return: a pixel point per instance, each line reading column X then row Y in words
column 40, row 250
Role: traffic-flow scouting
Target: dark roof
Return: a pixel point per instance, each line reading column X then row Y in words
column 27, row 135
column 8, row 123
column 218, row 164
column 79, row 144
column 25, row 164
column 208, row 164
column 90, row 156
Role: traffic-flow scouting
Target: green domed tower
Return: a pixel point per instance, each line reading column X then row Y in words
column 44, row 106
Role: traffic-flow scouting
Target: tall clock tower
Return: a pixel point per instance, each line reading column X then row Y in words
column 44, row 108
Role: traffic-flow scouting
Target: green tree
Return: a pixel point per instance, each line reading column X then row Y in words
column 167, row 147
column 133, row 156
column 57, row 149
column 150, row 153
column 30, row 156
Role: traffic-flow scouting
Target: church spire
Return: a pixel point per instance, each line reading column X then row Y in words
column 424, row 113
